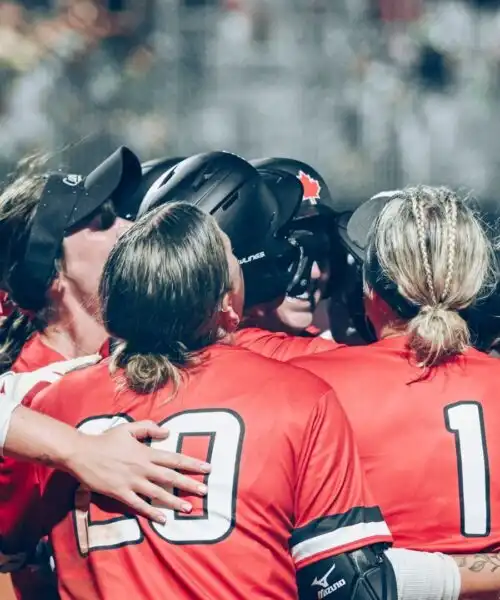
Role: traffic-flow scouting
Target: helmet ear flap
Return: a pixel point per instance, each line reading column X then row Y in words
column 268, row 277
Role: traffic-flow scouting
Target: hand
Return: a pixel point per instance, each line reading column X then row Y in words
column 117, row 465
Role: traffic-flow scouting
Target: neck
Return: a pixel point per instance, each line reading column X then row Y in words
column 75, row 333
column 390, row 329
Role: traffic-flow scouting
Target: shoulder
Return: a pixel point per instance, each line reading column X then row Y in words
column 336, row 355
column 77, row 381
column 279, row 345
column 268, row 377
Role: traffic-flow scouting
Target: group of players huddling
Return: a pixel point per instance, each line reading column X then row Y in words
column 158, row 312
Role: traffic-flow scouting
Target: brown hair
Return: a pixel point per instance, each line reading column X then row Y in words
column 161, row 290
column 18, row 203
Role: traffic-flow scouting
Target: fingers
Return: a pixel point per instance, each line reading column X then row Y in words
column 171, row 460
column 143, row 508
column 162, row 497
column 146, row 429
column 167, row 477
column 179, row 462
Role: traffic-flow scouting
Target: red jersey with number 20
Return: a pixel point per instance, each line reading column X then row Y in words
column 430, row 448
column 286, row 487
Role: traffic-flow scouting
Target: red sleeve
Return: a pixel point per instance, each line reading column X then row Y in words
column 333, row 506
column 18, row 483
column 281, row 346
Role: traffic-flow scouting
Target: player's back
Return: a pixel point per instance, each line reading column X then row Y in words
column 430, row 448
column 267, row 430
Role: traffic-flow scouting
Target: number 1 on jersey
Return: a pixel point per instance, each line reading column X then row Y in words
column 465, row 420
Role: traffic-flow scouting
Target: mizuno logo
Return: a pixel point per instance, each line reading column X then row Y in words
column 326, row 588
column 323, row 582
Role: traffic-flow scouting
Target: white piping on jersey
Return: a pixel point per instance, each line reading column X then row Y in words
column 338, row 538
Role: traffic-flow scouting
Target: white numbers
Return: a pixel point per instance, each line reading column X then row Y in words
column 99, row 535
column 465, row 421
column 224, row 431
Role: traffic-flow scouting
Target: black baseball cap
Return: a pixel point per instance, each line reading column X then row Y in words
column 355, row 228
column 67, row 201
column 355, row 233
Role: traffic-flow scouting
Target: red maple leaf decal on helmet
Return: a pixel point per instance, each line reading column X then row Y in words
column 311, row 186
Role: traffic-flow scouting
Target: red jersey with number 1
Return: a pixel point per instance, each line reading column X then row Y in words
column 286, row 487
column 430, row 447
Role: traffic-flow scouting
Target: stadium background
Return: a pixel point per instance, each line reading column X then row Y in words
column 375, row 94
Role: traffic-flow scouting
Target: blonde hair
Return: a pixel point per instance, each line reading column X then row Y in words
column 433, row 247
column 161, row 292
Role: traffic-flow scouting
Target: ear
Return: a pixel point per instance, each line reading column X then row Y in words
column 57, row 287
column 229, row 317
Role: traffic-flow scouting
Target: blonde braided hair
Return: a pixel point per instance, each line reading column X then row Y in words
column 434, row 248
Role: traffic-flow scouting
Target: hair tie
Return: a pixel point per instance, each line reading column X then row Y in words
column 432, row 308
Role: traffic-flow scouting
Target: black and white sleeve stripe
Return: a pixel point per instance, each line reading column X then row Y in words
column 334, row 532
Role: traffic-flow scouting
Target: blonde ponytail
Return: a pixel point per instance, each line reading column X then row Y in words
column 437, row 333
column 147, row 372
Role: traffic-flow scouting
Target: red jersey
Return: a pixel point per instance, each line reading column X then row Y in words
column 430, row 448
column 281, row 346
column 286, row 487
column 17, row 478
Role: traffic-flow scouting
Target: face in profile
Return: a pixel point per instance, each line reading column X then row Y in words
column 86, row 251
column 295, row 313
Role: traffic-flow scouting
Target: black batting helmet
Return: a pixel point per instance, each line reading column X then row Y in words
column 317, row 204
column 316, row 214
column 250, row 212
column 151, row 170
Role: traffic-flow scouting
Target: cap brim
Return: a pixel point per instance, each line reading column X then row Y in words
column 354, row 228
column 116, row 178
column 151, row 172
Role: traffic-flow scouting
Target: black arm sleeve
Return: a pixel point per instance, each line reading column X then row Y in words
column 364, row 574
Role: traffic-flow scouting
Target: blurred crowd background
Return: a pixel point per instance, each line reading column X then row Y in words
column 374, row 93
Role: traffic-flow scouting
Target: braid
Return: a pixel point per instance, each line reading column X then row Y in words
column 451, row 230
column 452, row 267
column 418, row 213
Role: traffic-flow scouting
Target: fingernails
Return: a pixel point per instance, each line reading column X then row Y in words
column 186, row 508
column 205, row 468
column 160, row 518
column 202, row 489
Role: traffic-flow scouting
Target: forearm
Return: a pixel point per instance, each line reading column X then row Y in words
column 435, row 576
column 480, row 575
column 36, row 437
